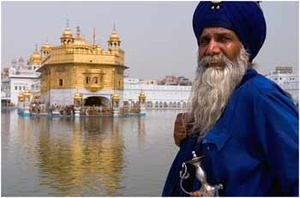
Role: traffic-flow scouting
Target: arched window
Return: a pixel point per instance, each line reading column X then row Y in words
column 149, row 104
column 95, row 80
column 60, row 82
column 156, row 104
column 178, row 105
column 165, row 104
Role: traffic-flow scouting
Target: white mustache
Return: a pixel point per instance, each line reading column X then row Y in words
column 206, row 60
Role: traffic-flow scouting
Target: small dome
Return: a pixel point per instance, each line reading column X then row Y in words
column 21, row 60
column 21, row 96
column 26, row 93
column 115, row 96
column 35, row 56
column 142, row 94
column 81, row 42
column 78, row 96
column 14, row 61
column 46, row 46
column 67, row 33
column 114, row 36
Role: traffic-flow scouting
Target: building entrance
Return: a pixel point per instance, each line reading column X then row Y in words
column 96, row 101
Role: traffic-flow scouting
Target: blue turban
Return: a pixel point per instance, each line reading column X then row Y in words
column 246, row 19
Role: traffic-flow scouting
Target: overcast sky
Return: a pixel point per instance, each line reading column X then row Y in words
column 157, row 37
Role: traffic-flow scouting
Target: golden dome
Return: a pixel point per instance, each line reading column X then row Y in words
column 21, row 97
column 81, row 42
column 26, row 93
column 46, row 46
column 142, row 94
column 78, row 96
column 114, row 36
column 67, row 33
column 35, row 56
column 20, row 94
column 115, row 96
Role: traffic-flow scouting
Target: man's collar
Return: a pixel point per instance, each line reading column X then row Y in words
column 250, row 73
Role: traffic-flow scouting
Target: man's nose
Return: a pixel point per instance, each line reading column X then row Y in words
column 213, row 48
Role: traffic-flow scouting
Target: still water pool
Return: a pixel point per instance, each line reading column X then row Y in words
column 87, row 156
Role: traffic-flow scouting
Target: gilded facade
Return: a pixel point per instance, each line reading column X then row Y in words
column 76, row 66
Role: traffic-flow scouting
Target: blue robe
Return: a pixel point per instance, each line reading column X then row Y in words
column 252, row 149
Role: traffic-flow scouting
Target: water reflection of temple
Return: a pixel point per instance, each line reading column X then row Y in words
column 25, row 128
column 82, row 158
column 141, row 131
column 107, row 146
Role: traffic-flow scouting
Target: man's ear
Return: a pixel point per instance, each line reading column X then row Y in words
column 251, row 65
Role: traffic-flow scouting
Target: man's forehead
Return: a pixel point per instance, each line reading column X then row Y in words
column 216, row 30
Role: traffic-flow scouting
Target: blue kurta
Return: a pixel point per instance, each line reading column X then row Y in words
column 252, row 149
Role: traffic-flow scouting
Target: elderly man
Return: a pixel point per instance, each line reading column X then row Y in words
column 244, row 125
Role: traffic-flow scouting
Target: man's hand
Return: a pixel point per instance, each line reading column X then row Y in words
column 180, row 131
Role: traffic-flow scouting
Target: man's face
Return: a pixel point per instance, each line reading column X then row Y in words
column 216, row 41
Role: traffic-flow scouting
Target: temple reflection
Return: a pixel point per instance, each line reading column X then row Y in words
column 25, row 127
column 141, row 131
column 86, row 154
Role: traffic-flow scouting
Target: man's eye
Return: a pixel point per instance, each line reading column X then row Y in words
column 225, row 39
column 204, row 41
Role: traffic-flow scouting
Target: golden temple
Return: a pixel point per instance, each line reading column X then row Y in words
column 75, row 65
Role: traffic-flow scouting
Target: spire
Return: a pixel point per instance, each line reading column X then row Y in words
column 94, row 36
column 67, row 23
column 78, row 31
column 114, row 27
column 36, row 48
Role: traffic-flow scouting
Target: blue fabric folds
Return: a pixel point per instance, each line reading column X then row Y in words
column 253, row 149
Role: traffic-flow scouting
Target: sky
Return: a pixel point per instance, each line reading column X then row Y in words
column 157, row 36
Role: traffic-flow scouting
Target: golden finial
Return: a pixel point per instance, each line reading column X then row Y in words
column 78, row 31
column 94, row 36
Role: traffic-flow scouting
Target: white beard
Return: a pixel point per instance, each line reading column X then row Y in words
column 212, row 89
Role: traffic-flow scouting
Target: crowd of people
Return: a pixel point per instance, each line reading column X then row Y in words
column 69, row 110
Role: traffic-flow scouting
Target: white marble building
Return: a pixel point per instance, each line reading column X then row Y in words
column 20, row 78
column 287, row 80
column 157, row 96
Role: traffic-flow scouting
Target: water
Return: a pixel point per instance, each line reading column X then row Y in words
column 87, row 156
